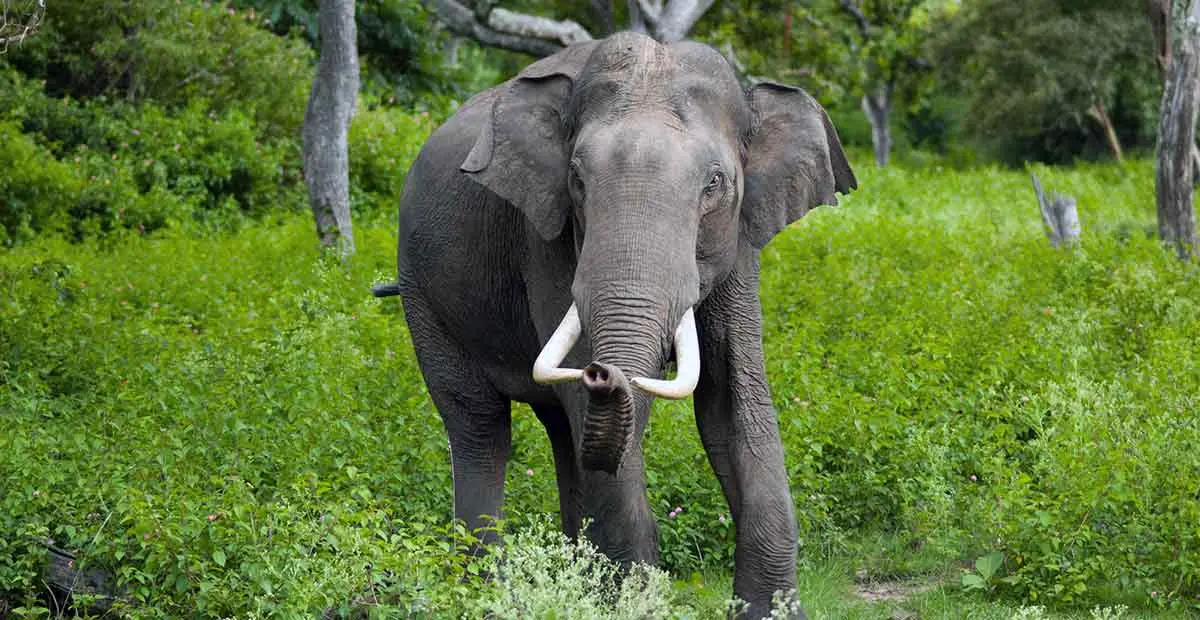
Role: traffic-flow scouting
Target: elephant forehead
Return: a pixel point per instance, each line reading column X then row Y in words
column 630, row 54
column 633, row 73
column 626, row 72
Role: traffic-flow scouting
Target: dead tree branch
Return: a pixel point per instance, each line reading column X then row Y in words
column 506, row 29
column 21, row 28
column 864, row 25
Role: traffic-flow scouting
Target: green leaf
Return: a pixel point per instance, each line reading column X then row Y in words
column 218, row 556
column 988, row 565
column 971, row 581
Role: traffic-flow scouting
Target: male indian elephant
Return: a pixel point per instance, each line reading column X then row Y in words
column 567, row 234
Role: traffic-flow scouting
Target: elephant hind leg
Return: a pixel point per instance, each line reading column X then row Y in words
column 558, row 428
column 476, row 415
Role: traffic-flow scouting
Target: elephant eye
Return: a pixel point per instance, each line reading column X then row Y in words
column 715, row 181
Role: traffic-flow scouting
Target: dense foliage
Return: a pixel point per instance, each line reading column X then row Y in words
column 148, row 134
column 234, row 425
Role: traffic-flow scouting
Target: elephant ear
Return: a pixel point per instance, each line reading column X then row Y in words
column 521, row 154
column 794, row 161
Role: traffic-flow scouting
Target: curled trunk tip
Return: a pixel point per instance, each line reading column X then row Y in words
column 608, row 426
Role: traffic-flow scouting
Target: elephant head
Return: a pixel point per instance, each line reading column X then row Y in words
column 658, row 164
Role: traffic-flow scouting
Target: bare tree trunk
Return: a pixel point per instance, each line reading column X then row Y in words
column 877, row 104
column 450, row 50
column 1100, row 114
column 787, row 30
column 1177, row 133
column 604, row 12
column 327, row 125
column 1159, row 12
column 665, row 20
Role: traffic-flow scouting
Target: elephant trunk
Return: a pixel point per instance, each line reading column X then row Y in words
column 625, row 338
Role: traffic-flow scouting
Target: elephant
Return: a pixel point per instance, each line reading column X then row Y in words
column 567, row 235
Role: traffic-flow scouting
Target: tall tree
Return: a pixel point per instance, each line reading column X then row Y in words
column 327, row 126
column 1177, row 132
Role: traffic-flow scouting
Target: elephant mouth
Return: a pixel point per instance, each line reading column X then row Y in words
column 547, row 369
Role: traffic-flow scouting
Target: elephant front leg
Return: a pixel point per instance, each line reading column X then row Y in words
column 738, row 427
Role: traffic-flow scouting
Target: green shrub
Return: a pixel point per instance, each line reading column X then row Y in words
column 38, row 190
column 965, row 384
column 542, row 574
column 383, row 143
column 171, row 53
column 105, row 167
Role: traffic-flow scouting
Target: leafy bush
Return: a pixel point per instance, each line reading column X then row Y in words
column 104, row 168
column 172, row 53
column 383, row 143
column 965, row 382
column 38, row 189
column 542, row 574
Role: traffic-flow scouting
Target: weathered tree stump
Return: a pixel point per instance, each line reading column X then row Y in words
column 67, row 582
column 1059, row 214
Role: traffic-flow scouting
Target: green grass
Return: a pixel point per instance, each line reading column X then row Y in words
column 233, row 426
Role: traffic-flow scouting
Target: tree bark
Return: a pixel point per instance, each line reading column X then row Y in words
column 604, row 13
column 1159, row 12
column 637, row 17
column 1177, row 134
column 450, row 50
column 787, row 30
column 877, row 104
column 327, row 126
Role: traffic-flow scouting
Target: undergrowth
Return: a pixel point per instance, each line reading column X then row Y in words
column 230, row 425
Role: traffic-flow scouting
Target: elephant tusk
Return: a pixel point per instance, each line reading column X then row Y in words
column 545, row 368
column 687, row 359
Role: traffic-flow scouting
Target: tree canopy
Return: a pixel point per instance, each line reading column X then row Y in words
column 1039, row 76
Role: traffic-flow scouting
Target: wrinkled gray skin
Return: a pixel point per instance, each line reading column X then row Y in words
column 636, row 180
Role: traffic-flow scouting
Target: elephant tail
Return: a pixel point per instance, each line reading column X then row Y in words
column 386, row 290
